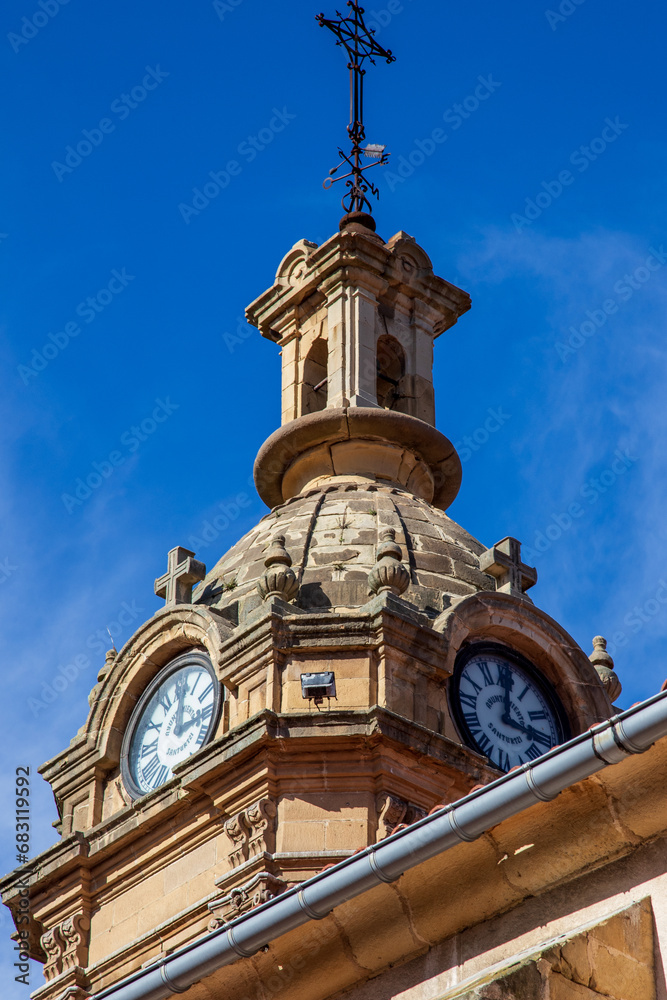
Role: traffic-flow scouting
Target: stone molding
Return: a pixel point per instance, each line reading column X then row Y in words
column 409, row 452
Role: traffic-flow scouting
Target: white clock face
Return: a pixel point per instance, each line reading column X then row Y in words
column 503, row 711
column 174, row 718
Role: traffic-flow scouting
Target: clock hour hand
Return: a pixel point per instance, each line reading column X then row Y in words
column 190, row 722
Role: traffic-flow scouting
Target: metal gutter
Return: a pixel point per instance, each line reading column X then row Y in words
column 631, row 732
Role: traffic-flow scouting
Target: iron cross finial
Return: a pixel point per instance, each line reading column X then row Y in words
column 359, row 42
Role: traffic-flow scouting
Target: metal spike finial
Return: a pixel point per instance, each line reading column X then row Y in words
column 359, row 42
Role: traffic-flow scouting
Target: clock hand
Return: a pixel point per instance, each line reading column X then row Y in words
column 181, row 691
column 190, row 722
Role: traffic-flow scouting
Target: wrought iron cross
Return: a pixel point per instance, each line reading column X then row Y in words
column 360, row 44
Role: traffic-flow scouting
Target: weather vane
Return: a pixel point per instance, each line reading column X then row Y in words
column 360, row 45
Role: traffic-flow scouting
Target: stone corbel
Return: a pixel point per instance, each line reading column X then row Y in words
column 390, row 812
column 74, row 932
column 260, row 889
column 252, row 832
column 66, row 946
column 393, row 812
column 261, row 819
column 54, row 947
column 237, row 829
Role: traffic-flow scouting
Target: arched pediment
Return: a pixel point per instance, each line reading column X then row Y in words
column 496, row 617
column 163, row 637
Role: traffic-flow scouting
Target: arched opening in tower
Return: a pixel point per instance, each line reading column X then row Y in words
column 314, row 391
column 390, row 371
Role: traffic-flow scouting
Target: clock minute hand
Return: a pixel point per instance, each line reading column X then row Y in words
column 181, row 691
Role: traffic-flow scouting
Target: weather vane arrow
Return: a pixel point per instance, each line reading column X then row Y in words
column 359, row 42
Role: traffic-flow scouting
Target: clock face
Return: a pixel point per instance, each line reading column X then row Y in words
column 503, row 708
column 175, row 716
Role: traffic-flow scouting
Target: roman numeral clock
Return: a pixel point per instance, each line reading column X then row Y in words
column 504, row 707
column 175, row 716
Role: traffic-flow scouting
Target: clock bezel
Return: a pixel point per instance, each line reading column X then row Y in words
column 467, row 653
column 193, row 657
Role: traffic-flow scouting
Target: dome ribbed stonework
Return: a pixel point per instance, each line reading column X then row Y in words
column 332, row 536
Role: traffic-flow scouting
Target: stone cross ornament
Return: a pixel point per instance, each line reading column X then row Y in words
column 183, row 571
column 503, row 561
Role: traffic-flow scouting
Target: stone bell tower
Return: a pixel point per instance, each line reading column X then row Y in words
column 352, row 663
column 309, row 697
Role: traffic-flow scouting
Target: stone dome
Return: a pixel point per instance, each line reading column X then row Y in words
column 332, row 534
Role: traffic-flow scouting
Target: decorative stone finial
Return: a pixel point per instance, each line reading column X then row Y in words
column 389, row 573
column 109, row 661
column 278, row 580
column 604, row 666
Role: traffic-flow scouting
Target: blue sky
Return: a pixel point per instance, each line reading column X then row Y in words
column 543, row 196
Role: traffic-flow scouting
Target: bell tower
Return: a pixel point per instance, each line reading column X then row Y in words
column 354, row 662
